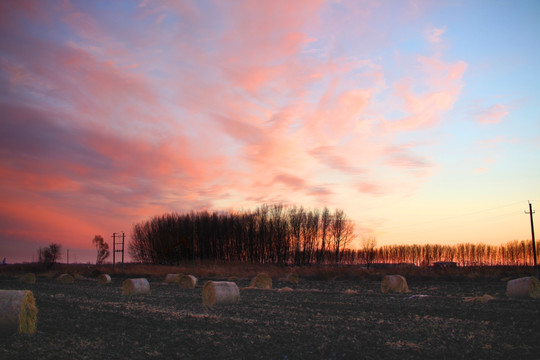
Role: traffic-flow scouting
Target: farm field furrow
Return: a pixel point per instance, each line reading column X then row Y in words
column 316, row 320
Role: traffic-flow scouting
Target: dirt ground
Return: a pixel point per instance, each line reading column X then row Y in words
column 340, row 319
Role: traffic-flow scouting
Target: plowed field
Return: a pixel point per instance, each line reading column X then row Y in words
column 341, row 319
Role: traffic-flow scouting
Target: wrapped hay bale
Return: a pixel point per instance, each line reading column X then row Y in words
column 29, row 278
column 104, row 279
column 65, row 279
column 18, row 312
column 523, row 287
column 261, row 281
column 187, row 282
column 394, row 283
column 220, row 292
column 172, row 278
column 135, row 287
column 292, row 278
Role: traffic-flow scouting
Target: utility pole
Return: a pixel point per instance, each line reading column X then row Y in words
column 113, row 249
column 67, row 257
column 531, row 212
column 123, row 237
column 121, row 250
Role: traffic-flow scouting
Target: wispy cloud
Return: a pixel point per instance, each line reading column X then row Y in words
column 175, row 106
column 434, row 34
column 492, row 115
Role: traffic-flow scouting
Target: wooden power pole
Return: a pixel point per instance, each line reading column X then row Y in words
column 531, row 212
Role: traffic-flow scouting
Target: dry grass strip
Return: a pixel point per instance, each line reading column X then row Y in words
column 482, row 299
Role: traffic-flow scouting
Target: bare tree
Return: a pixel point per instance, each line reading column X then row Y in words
column 325, row 229
column 102, row 249
column 341, row 232
column 50, row 254
column 368, row 250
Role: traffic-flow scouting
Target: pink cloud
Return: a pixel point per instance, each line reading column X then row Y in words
column 370, row 188
column 176, row 107
column 434, row 34
column 402, row 156
column 331, row 156
column 443, row 81
column 492, row 115
column 290, row 180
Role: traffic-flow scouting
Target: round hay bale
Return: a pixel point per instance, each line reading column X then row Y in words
column 65, row 279
column 29, row 278
column 104, row 279
column 78, row 276
column 523, row 287
column 261, row 281
column 135, row 287
column 394, row 283
column 172, row 278
column 18, row 312
column 187, row 282
column 95, row 273
column 220, row 292
column 292, row 278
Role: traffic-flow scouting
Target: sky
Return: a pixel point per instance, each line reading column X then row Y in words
column 419, row 119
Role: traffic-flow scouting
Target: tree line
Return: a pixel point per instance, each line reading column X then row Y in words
column 516, row 253
column 293, row 235
column 273, row 234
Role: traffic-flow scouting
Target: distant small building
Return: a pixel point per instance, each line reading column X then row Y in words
column 445, row 264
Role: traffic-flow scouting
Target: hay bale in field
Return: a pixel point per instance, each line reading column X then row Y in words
column 292, row 278
column 394, row 283
column 523, row 287
column 350, row 292
column 18, row 312
column 104, row 279
column 78, row 276
column 286, row 289
column 65, row 279
column 29, row 278
column 139, row 286
column 187, row 282
column 172, row 278
column 220, row 292
column 261, row 281
column 51, row 274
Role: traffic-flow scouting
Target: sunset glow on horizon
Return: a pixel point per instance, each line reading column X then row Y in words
column 420, row 119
